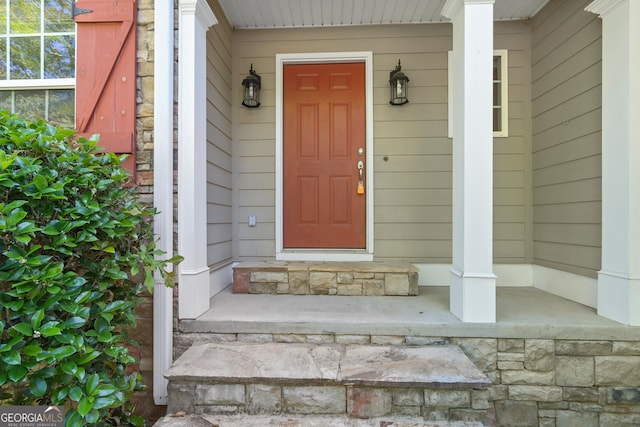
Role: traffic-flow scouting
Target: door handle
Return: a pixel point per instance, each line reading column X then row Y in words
column 361, row 181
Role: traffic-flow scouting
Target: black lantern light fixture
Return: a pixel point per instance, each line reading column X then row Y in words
column 399, row 85
column 251, row 85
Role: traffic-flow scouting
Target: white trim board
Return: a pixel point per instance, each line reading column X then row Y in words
column 220, row 278
column 319, row 58
column 571, row 286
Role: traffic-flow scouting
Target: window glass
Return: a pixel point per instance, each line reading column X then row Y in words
column 59, row 57
column 29, row 104
column 24, row 58
column 5, row 100
column 500, row 94
column 25, row 16
column 3, row 58
column 3, row 17
column 37, row 59
column 497, row 94
column 60, row 106
column 56, row 16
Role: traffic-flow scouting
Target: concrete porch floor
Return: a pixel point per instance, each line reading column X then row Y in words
column 522, row 312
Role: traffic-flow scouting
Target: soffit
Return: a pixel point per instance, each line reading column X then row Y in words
column 256, row 14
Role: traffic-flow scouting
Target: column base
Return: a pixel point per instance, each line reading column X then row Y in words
column 617, row 295
column 473, row 296
column 194, row 293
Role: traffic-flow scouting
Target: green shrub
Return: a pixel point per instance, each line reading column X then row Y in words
column 77, row 251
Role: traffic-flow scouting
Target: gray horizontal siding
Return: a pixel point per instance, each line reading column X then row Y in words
column 566, row 106
column 219, row 139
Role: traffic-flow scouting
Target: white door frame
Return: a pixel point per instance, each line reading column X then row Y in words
column 325, row 254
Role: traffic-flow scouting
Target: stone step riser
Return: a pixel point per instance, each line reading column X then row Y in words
column 430, row 404
column 436, row 382
column 326, row 278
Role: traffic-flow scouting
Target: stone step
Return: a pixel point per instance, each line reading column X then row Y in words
column 326, row 278
column 302, row 421
column 435, row 382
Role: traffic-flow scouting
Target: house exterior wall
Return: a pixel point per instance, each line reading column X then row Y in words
column 512, row 198
column 412, row 154
column 566, row 105
column 219, row 163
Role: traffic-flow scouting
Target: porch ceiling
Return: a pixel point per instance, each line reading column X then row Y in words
column 255, row 14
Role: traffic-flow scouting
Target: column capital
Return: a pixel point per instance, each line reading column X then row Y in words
column 603, row 7
column 451, row 7
column 200, row 9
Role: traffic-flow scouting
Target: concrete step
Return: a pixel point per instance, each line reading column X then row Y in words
column 301, row 421
column 433, row 383
column 326, row 278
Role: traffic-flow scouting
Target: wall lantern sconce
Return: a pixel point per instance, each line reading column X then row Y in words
column 399, row 85
column 251, row 85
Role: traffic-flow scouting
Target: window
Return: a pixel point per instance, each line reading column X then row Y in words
column 37, row 59
column 500, row 94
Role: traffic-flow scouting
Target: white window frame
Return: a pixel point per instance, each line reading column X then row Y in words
column 41, row 83
column 504, row 93
column 503, row 54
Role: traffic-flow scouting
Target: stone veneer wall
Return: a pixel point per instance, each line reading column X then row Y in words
column 536, row 382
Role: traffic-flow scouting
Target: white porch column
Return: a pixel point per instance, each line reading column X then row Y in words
column 195, row 19
column 619, row 278
column 163, row 191
column 472, row 291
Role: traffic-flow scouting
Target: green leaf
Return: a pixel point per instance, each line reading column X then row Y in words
column 63, row 352
column 40, row 182
column 92, row 384
column 36, row 319
column 17, row 373
column 38, row 386
column 69, row 306
column 93, row 416
column 58, row 396
column 114, row 306
column 73, row 419
column 53, row 289
column 23, row 239
column 53, row 228
column 104, row 402
column 106, row 390
column 105, row 337
column 137, row 421
column 32, row 350
column 74, row 322
column 69, row 368
column 24, row 329
column 50, row 331
column 85, row 405
column 80, row 374
column 7, row 346
column 11, row 358
column 75, row 393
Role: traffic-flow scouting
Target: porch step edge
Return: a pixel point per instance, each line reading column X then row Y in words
column 302, row 421
column 441, row 366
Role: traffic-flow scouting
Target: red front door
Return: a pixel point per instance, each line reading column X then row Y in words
column 324, row 140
